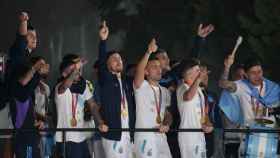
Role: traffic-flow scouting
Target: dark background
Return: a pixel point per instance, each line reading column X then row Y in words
column 71, row 26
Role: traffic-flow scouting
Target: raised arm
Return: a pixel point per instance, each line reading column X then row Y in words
column 95, row 110
column 68, row 81
column 40, row 66
column 103, row 35
column 23, row 22
column 224, row 81
column 191, row 92
column 140, row 69
column 200, row 40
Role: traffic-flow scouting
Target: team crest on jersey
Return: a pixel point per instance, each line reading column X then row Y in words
column 121, row 150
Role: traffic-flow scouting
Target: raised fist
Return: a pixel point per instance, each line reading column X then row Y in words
column 23, row 17
column 152, row 47
column 44, row 70
column 104, row 31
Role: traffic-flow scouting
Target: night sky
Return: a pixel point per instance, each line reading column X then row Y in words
column 71, row 26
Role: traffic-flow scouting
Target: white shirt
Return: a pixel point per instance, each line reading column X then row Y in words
column 64, row 111
column 146, row 111
column 41, row 99
column 243, row 93
column 190, row 113
column 124, row 119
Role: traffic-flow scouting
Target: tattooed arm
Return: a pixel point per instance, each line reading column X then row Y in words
column 66, row 83
column 95, row 111
column 224, row 80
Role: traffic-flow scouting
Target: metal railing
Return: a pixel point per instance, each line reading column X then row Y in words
column 64, row 130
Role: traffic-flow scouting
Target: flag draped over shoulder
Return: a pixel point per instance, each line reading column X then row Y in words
column 230, row 103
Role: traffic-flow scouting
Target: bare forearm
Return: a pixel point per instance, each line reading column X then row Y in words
column 167, row 119
column 225, row 75
column 140, row 70
column 67, row 83
column 23, row 28
column 190, row 93
column 224, row 81
column 95, row 111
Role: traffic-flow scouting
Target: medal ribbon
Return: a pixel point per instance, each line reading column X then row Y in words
column 159, row 100
column 74, row 105
column 123, row 99
column 203, row 107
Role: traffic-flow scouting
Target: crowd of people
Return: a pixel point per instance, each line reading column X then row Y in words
column 151, row 94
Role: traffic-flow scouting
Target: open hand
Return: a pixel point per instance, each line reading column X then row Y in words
column 203, row 32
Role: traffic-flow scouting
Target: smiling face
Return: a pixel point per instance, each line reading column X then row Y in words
column 115, row 63
column 255, row 75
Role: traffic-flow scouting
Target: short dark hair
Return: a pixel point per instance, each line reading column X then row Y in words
column 110, row 53
column 153, row 57
column 187, row 64
column 237, row 67
column 67, row 60
column 159, row 51
column 35, row 59
column 64, row 64
column 70, row 57
column 251, row 62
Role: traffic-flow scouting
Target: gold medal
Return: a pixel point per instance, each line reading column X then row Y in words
column 158, row 119
column 124, row 113
column 73, row 122
column 203, row 120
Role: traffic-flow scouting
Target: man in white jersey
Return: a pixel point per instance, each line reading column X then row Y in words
column 193, row 112
column 151, row 103
column 71, row 94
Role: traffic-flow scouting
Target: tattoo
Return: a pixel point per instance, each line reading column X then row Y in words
column 95, row 110
column 225, row 75
column 67, row 82
column 73, row 75
column 230, row 86
column 225, row 83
